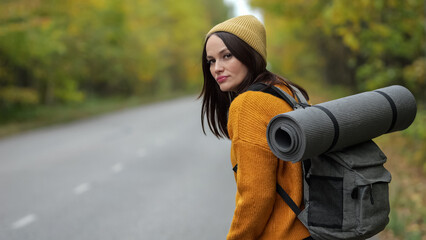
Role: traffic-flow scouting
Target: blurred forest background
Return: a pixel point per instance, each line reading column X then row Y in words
column 339, row 47
column 62, row 60
column 70, row 51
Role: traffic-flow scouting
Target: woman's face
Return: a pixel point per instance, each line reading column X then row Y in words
column 228, row 71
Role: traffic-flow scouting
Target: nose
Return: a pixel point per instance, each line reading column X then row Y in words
column 218, row 67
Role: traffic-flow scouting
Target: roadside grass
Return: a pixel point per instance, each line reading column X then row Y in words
column 406, row 152
column 16, row 121
column 407, row 190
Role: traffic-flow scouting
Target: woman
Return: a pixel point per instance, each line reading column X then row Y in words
column 234, row 58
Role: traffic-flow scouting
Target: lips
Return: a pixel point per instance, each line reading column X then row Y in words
column 221, row 79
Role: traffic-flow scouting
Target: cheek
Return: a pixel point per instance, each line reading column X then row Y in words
column 239, row 68
column 242, row 70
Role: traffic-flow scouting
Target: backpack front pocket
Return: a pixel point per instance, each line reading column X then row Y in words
column 326, row 202
column 372, row 205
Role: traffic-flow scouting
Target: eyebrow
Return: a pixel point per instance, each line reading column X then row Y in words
column 221, row 51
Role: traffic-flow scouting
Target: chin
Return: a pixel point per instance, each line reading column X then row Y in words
column 225, row 88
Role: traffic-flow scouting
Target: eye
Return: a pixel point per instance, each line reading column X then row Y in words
column 210, row 61
column 227, row 56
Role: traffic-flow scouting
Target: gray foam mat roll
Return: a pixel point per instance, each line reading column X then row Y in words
column 336, row 124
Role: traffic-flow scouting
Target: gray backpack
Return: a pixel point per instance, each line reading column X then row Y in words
column 346, row 194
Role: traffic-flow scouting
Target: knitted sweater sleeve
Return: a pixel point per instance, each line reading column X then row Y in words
column 249, row 116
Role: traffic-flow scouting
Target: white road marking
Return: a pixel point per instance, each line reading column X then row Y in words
column 82, row 188
column 118, row 167
column 30, row 218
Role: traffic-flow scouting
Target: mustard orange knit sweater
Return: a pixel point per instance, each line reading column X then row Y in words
column 260, row 213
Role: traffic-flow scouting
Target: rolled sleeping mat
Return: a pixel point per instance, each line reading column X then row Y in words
column 334, row 125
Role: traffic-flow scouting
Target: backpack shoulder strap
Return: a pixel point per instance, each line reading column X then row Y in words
column 284, row 195
column 301, row 103
column 300, row 97
column 277, row 92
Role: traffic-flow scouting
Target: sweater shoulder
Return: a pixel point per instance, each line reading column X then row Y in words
column 250, row 113
column 257, row 104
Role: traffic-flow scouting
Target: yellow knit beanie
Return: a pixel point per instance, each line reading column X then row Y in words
column 248, row 28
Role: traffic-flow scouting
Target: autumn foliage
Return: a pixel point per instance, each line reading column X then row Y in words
column 64, row 51
column 362, row 44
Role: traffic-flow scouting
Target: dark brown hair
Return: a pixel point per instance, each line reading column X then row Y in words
column 216, row 103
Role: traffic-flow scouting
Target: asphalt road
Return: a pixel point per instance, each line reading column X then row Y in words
column 143, row 173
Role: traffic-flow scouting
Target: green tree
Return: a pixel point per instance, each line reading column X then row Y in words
column 363, row 44
column 63, row 51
